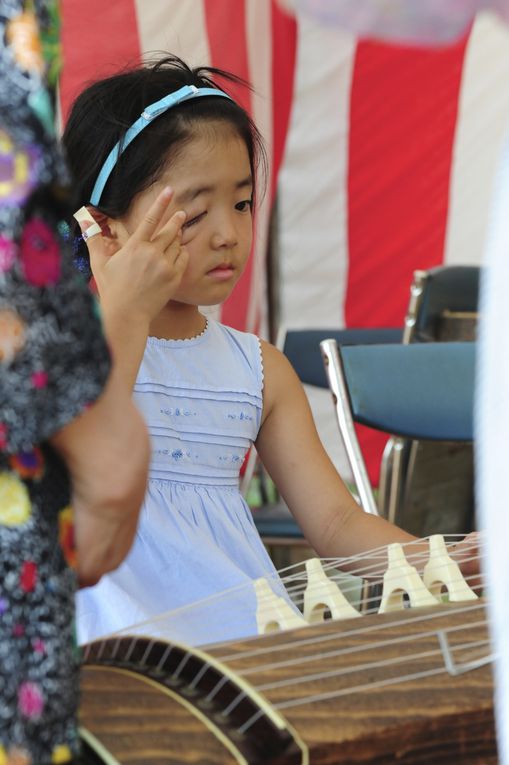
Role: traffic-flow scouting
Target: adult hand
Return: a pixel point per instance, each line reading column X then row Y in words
column 106, row 450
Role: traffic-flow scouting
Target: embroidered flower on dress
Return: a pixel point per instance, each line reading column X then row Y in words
column 12, row 335
column 66, row 536
column 30, row 700
column 28, row 464
column 40, row 254
column 15, row 506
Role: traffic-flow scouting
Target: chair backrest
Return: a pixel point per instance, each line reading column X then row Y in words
column 418, row 391
column 451, row 289
column 415, row 489
column 422, row 391
column 302, row 348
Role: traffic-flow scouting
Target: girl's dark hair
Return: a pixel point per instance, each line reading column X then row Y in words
column 103, row 112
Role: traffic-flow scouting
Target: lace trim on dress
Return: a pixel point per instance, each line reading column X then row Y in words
column 262, row 372
column 163, row 340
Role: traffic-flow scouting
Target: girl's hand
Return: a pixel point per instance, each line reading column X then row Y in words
column 143, row 275
column 467, row 555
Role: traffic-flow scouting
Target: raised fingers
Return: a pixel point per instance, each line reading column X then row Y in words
column 152, row 218
column 171, row 231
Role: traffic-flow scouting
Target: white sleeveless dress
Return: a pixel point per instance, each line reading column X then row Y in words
column 202, row 402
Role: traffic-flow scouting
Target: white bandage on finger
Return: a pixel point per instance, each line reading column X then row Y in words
column 83, row 215
column 91, row 231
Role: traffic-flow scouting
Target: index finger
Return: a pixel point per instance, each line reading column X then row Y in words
column 152, row 218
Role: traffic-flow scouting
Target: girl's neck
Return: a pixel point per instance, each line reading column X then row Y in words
column 178, row 321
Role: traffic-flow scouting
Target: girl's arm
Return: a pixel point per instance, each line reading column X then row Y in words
column 291, row 450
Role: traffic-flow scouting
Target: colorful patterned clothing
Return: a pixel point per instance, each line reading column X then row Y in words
column 53, row 363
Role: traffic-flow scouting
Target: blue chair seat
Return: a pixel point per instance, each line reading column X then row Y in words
column 302, row 348
column 423, row 391
column 276, row 521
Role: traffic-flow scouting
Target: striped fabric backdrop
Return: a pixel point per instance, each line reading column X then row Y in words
column 389, row 167
column 383, row 156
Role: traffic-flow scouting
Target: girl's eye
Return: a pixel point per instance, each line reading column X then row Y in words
column 194, row 220
column 245, row 205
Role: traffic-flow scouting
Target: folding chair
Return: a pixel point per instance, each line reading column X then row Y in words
column 302, row 347
column 419, row 391
column 443, row 306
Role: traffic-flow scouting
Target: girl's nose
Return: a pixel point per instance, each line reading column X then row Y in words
column 225, row 236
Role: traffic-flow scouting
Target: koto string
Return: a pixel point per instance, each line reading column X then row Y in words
column 352, row 649
column 344, row 692
column 300, row 680
column 366, row 665
column 363, row 687
column 336, row 693
column 348, row 691
column 164, row 656
column 329, row 636
column 359, row 631
column 297, row 596
column 405, row 639
column 296, row 691
column 296, row 591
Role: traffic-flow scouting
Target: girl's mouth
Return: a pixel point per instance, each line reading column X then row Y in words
column 221, row 273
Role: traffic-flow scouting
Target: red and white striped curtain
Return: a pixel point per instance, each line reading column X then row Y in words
column 389, row 168
column 383, row 154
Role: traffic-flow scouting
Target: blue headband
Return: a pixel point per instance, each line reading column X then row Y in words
column 150, row 113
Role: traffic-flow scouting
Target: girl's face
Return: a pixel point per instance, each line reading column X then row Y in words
column 211, row 178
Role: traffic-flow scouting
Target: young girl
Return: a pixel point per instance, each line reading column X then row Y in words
column 173, row 192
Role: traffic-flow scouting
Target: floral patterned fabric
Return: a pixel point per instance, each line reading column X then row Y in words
column 53, row 363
